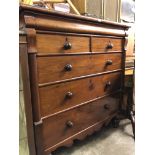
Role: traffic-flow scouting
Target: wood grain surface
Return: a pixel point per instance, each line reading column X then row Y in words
column 54, row 98
column 56, row 128
column 101, row 44
column 47, row 43
column 53, row 68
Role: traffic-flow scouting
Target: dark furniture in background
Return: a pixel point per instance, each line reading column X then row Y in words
column 130, row 93
column 73, row 75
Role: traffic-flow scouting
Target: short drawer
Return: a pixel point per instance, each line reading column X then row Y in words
column 51, row 43
column 59, row 127
column 57, row 68
column 58, row 97
column 106, row 44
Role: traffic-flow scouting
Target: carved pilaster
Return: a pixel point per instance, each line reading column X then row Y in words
column 32, row 50
column 31, row 39
column 32, row 62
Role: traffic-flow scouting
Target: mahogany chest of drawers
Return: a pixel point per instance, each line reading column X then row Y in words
column 73, row 74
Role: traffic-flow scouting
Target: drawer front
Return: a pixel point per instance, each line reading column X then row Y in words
column 57, row 68
column 106, row 44
column 59, row 127
column 50, row 43
column 58, row 97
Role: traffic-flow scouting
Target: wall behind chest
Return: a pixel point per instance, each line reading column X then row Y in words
column 105, row 9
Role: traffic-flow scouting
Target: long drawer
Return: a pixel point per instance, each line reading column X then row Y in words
column 58, row 97
column 57, row 68
column 59, row 127
column 54, row 43
column 106, row 44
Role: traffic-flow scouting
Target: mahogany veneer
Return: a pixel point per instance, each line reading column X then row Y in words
column 47, row 43
column 73, row 69
column 58, row 97
column 69, row 123
column 106, row 44
column 53, row 68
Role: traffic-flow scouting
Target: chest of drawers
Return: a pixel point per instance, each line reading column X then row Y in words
column 73, row 74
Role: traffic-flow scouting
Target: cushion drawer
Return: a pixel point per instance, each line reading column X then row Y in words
column 56, row 68
column 51, row 43
column 59, row 127
column 58, row 97
column 106, row 44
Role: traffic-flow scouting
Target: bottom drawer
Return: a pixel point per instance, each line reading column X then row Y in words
column 59, row 127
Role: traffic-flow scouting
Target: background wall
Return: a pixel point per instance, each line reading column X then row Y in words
column 105, row 9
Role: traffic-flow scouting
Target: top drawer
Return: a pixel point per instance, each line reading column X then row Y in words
column 53, row 43
column 106, row 44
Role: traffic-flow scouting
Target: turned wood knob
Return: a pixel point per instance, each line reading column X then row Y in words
column 108, row 84
column 69, row 124
column 109, row 62
column 67, row 45
column 106, row 106
column 68, row 67
column 69, row 95
column 110, row 45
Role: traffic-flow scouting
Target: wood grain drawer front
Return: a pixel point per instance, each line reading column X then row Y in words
column 59, row 127
column 59, row 68
column 50, row 43
column 58, row 97
column 106, row 44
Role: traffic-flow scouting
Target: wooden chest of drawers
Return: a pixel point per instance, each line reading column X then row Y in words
column 73, row 73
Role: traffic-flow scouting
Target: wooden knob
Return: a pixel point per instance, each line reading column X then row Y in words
column 68, row 67
column 108, row 84
column 67, row 45
column 110, row 45
column 109, row 62
column 69, row 124
column 69, row 95
column 106, row 106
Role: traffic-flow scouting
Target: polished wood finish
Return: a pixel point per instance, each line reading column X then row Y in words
column 55, row 98
column 76, row 67
column 82, row 134
column 73, row 121
column 70, row 23
column 106, row 44
column 47, row 43
column 53, row 68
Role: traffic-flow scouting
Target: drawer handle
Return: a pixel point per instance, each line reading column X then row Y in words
column 109, row 62
column 108, row 84
column 69, row 95
column 67, row 45
column 110, row 45
column 69, row 124
column 107, row 107
column 68, row 67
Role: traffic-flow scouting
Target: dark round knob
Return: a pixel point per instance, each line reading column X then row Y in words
column 106, row 106
column 69, row 95
column 69, row 124
column 109, row 62
column 110, row 46
column 108, row 83
column 68, row 67
column 67, row 45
